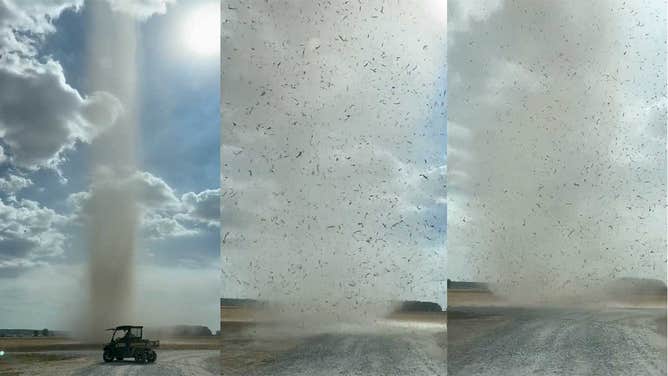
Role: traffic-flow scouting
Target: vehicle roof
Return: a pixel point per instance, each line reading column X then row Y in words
column 124, row 327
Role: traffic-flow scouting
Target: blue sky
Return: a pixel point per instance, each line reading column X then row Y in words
column 48, row 127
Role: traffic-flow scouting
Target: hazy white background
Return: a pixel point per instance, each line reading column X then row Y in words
column 333, row 154
column 557, row 137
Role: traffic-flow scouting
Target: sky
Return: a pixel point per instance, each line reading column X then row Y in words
column 556, row 143
column 54, row 115
column 333, row 153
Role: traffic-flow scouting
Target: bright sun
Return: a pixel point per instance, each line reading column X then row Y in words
column 201, row 30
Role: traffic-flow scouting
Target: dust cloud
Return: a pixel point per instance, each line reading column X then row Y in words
column 557, row 162
column 333, row 178
column 111, row 216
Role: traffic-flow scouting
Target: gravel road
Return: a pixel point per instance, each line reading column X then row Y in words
column 518, row 342
column 332, row 354
column 394, row 353
column 170, row 363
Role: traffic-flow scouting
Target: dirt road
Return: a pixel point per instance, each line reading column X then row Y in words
column 529, row 341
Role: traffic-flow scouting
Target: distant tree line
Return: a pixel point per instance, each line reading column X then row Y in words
column 26, row 333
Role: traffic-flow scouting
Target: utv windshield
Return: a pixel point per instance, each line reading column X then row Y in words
column 127, row 333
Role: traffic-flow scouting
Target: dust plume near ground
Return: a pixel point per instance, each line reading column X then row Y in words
column 112, row 229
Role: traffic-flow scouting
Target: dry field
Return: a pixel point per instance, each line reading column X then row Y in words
column 13, row 364
column 25, row 344
column 472, row 298
column 39, row 344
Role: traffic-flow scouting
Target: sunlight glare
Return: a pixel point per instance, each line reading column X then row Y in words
column 201, row 30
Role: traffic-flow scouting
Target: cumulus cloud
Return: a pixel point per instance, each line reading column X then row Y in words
column 158, row 226
column 556, row 143
column 35, row 16
column 41, row 115
column 152, row 192
column 163, row 214
column 30, row 234
column 13, row 183
column 203, row 206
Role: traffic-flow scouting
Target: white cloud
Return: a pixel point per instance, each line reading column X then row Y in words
column 152, row 192
column 163, row 214
column 203, row 206
column 141, row 9
column 35, row 16
column 14, row 183
column 42, row 116
column 157, row 226
column 30, row 234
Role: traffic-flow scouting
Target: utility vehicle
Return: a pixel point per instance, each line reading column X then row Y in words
column 127, row 342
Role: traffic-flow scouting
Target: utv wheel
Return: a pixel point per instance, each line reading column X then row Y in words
column 152, row 356
column 140, row 357
column 107, row 356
